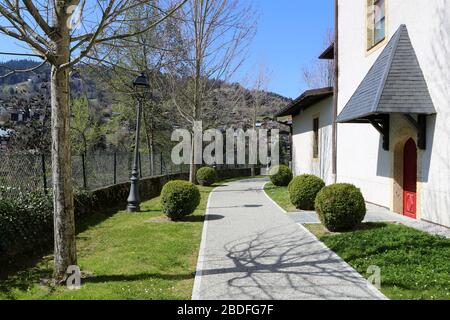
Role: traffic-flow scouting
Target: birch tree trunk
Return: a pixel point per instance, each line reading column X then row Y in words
column 149, row 134
column 63, row 204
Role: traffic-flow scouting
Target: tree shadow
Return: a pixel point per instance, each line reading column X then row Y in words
column 282, row 262
column 244, row 206
column 137, row 277
column 22, row 281
column 21, row 264
column 209, row 217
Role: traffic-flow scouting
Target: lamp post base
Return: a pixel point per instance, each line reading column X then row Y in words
column 133, row 197
column 131, row 208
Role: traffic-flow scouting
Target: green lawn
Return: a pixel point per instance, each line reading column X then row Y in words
column 281, row 196
column 414, row 264
column 125, row 256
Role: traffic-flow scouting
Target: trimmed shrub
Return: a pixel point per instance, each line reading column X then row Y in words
column 303, row 191
column 179, row 199
column 341, row 207
column 206, row 176
column 280, row 175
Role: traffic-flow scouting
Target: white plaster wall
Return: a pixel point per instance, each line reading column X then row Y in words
column 303, row 162
column 361, row 160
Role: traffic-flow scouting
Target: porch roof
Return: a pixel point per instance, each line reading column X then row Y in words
column 394, row 84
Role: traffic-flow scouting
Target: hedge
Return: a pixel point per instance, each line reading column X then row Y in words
column 26, row 220
column 179, row 199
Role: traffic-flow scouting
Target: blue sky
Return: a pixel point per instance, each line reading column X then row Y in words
column 290, row 36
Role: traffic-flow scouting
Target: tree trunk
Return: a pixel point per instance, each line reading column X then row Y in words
column 150, row 142
column 192, row 166
column 152, row 153
column 64, row 221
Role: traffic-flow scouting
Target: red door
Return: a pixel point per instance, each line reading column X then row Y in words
column 410, row 179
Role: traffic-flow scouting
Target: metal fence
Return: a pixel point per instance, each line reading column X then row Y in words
column 29, row 172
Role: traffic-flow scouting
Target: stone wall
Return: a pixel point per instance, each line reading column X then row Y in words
column 151, row 187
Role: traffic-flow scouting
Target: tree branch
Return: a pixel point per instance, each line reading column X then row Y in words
column 21, row 71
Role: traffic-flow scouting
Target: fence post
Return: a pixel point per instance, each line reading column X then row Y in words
column 44, row 176
column 161, row 162
column 83, row 166
column 115, row 168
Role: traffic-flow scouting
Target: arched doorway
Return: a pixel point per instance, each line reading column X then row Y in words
column 410, row 179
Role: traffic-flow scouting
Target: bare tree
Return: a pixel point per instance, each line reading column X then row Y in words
column 150, row 52
column 320, row 73
column 64, row 33
column 216, row 35
column 259, row 94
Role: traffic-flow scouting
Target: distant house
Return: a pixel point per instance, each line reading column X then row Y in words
column 312, row 117
column 4, row 115
column 5, row 136
column 392, row 108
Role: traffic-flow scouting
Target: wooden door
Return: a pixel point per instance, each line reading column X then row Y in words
column 410, row 179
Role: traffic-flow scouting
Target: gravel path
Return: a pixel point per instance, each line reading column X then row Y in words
column 251, row 250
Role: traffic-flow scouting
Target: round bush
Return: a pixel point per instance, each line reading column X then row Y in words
column 280, row 175
column 206, row 176
column 341, row 207
column 179, row 199
column 303, row 191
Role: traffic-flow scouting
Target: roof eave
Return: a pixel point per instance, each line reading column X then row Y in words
column 299, row 103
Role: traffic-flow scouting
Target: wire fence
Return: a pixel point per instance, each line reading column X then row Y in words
column 31, row 172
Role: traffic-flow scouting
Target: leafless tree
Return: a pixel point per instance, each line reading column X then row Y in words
column 216, row 34
column 64, row 33
column 320, row 73
column 150, row 52
column 259, row 94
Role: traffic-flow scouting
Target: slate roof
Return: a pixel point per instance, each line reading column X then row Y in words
column 307, row 99
column 394, row 84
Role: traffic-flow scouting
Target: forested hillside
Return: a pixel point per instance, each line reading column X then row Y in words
column 106, row 113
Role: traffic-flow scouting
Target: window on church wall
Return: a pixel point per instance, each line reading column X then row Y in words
column 376, row 22
column 316, row 138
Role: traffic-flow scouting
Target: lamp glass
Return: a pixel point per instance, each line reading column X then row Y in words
column 140, row 84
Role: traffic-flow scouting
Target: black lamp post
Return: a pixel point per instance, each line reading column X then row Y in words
column 140, row 85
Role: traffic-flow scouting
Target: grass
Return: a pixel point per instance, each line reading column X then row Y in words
column 126, row 256
column 281, row 196
column 414, row 264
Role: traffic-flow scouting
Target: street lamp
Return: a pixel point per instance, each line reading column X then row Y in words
column 140, row 85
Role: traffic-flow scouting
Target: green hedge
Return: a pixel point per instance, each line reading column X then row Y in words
column 206, row 176
column 280, row 175
column 303, row 191
column 179, row 199
column 341, row 207
column 26, row 220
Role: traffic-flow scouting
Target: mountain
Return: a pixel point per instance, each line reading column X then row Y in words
column 230, row 103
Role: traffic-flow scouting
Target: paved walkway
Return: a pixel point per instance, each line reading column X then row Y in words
column 252, row 250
